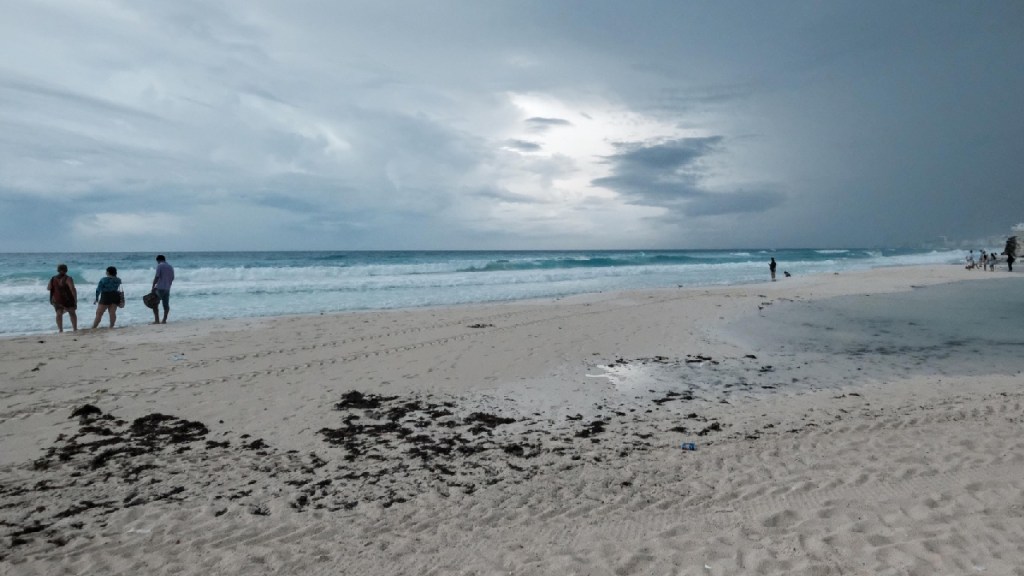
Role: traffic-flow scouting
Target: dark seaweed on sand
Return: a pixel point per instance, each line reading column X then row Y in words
column 385, row 450
column 387, row 426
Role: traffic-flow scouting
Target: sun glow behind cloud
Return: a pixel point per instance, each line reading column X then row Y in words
column 586, row 132
column 570, row 142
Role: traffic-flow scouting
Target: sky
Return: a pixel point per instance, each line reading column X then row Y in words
column 142, row 125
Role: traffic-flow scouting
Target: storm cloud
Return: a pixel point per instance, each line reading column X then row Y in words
column 671, row 175
column 234, row 125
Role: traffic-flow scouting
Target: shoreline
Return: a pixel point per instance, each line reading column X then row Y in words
column 936, row 274
column 521, row 419
column 306, row 283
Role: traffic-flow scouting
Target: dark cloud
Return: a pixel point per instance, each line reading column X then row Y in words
column 503, row 195
column 669, row 174
column 538, row 124
column 660, row 174
column 523, row 145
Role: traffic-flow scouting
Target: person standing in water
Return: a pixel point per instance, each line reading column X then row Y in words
column 162, row 287
column 64, row 297
column 771, row 267
column 108, row 296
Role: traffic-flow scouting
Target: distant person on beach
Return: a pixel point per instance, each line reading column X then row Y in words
column 970, row 260
column 108, row 296
column 984, row 260
column 162, row 287
column 64, row 297
column 771, row 266
column 992, row 261
column 1009, row 261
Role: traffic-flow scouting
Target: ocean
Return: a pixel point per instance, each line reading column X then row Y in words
column 215, row 285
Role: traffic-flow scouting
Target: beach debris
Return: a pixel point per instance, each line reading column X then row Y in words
column 688, row 446
column 105, row 456
column 714, row 427
column 356, row 400
column 380, row 435
column 384, row 451
column 480, row 325
column 257, row 444
column 685, row 396
column 592, row 429
column 86, row 411
column 485, row 422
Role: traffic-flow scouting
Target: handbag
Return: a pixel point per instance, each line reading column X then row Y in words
column 151, row 300
column 120, row 299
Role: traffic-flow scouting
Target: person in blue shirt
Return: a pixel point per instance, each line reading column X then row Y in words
column 162, row 287
column 108, row 296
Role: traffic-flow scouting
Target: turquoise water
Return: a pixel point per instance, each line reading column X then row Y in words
column 211, row 285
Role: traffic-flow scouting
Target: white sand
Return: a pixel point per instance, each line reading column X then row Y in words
column 908, row 462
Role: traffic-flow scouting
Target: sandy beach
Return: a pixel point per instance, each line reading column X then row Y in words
column 863, row 423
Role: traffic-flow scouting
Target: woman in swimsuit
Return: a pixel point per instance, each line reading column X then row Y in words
column 108, row 295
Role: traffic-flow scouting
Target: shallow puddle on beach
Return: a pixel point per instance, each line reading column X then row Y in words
column 964, row 328
column 645, row 380
column 636, row 379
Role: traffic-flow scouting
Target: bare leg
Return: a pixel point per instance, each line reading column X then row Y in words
column 60, row 321
column 156, row 316
column 112, row 308
column 99, row 315
column 166, row 311
column 74, row 319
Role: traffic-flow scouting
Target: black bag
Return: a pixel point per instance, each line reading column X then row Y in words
column 151, row 300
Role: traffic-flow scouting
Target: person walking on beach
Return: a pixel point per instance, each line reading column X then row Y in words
column 108, row 295
column 162, row 287
column 64, row 297
column 1009, row 261
column 771, row 266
